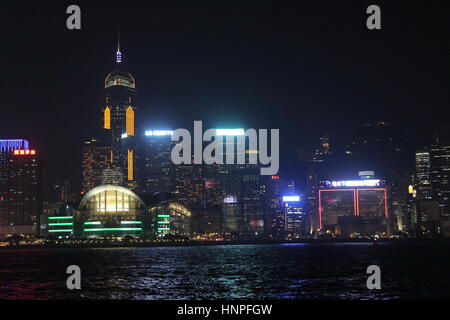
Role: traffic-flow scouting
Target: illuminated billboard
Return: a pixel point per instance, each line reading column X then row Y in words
column 150, row 133
column 24, row 152
column 230, row 199
column 291, row 198
column 355, row 183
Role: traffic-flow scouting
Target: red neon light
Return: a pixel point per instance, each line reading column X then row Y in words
column 209, row 184
column 376, row 189
column 24, row 152
column 320, row 212
column 385, row 204
column 320, row 203
column 355, row 200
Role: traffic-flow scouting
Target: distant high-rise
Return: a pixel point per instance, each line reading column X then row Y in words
column 159, row 171
column 440, row 169
column 20, row 188
column 423, row 174
column 312, row 187
column 321, row 149
column 294, row 216
column 64, row 192
column 96, row 157
column 119, row 112
column 402, row 202
column 274, row 216
column 242, row 189
column 224, row 197
column 189, row 184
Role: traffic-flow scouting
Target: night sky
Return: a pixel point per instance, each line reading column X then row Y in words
column 305, row 67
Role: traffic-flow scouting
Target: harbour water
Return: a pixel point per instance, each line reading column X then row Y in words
column 275, row 271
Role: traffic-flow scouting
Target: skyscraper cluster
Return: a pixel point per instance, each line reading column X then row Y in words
column 354, row 186
column 413, row 190
column 225, row 199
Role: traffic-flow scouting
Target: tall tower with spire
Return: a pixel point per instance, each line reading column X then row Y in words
column 119, row 112
column 118, row 54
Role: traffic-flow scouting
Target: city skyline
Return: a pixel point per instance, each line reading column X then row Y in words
column 223, row 157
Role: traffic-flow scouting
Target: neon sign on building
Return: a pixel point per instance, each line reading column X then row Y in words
column 291, row 198
column 355, row 199
column 354, row 183
column 24, row 152
column 150, row 133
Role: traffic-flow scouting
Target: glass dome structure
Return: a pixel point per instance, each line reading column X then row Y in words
column 111, row 199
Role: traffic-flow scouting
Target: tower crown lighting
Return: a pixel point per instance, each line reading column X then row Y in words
column 13, row 144
column 118, row 54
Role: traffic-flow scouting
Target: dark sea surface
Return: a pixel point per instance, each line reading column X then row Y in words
column 283, row 271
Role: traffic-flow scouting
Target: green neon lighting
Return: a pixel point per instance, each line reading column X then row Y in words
column 65, row 217
column 93, row 222
column 113, row 229
column 164, row 229
column 61, row 224
column 131, row 222
column 61, row 230
column 163, row 216
column 163, row 222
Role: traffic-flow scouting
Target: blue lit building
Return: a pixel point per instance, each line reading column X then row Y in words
column 294, row 217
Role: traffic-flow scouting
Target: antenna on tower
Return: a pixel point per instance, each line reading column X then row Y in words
column 118, row 54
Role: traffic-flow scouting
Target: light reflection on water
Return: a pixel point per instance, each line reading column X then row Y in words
column 287, row 271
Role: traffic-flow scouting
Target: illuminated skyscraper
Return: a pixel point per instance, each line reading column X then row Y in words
column 96, row 157
column 294, row 217
column 274, row 216
column 224, row 197
column 423, row 174
column 7, row 146
column 241, row 185
column 349, row 206
column 189, row 184
column 312, row 186
column 20, row 188
column 119, row 113
column 159, row 169
column 440, row 169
